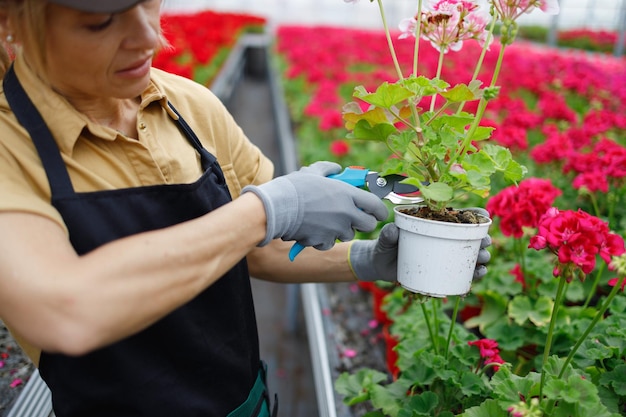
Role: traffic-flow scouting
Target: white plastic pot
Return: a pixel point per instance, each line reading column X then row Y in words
column 437, row 258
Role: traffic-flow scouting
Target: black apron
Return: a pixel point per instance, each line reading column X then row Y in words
column 200, row 360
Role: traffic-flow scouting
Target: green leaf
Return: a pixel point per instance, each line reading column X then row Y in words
column 616, row 379
column 423, row 404
column 522, row 308
column 494, row 307
column 503, row 162
column 482, row 133
column 509, row 336
column 363, row 130
column 401, row 141
column 356, row 387
column 575, row 396
column 454, row 121
column 388, row 398
column 481, row 162
column 436, row 191
column 352, row 114
column 422, row 86
column 458, row 94
column 514, row 172
column 509, row 387
column 471, row 384
column 374, row 414
column 386, row 95
column 489, row 408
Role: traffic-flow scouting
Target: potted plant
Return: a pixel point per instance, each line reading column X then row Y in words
column 441, row 147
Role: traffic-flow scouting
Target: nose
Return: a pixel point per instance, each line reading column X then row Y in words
column 143, row 28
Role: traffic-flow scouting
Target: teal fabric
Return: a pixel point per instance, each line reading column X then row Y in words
column 257, row 394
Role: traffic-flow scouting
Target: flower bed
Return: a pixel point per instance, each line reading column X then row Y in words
column 200, row 42
column 541, row 333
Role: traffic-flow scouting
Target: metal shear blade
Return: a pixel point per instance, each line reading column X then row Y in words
column 391, row 188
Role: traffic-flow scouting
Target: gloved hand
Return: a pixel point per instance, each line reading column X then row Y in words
column 313, row 210
column 483, row 255
column 372, row 260
column 377, row 259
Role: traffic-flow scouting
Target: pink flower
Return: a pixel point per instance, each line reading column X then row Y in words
column 522, row 206
column 489, row 351
column 576, row 237
column 512, row 9
column 339, row 148
column 408, row 27
column 16, row 383
column 487, row 347
column 447, row 24
column 350, row 353
column 518, row 274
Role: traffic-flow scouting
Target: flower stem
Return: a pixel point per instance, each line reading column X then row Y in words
column 418, row 33
column 546, row 352
column 583, row 337
column 595, row 320
column 596, row 281
column 430, row 329
column 452, row 323
column 392, row 50
column 438, row 76
column 482, row 105
column 481, row 58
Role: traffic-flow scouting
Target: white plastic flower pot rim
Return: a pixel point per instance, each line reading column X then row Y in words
column 437, row 258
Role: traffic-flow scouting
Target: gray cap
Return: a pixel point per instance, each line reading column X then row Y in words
column 98, row 6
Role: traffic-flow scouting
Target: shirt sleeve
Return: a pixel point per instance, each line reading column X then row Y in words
column 23, row 183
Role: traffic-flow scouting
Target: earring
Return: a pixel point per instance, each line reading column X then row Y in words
column 10, row 38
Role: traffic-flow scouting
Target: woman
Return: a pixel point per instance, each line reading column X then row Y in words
column 124, row 261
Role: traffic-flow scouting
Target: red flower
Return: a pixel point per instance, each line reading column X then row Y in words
column 489, row 351
column 487, row 347
column 522, row 206
column 518, row 274
column 339, row 148
column 576, row 238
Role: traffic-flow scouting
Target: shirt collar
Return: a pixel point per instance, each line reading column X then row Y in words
column 65, row 122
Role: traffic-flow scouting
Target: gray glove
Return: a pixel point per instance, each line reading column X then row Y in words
column 483, row 255
column 313, row 210
column 373, row 260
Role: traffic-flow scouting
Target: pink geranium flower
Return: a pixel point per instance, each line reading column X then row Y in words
column 576, row 237
column 489, row 352
column 522, row 206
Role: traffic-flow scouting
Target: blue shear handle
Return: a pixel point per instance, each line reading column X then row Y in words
column 352, row 176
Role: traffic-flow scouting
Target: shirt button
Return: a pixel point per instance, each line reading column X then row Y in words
column 142, row 126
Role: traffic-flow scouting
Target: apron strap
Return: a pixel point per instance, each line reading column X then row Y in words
column 206, row 157
column 30, row 118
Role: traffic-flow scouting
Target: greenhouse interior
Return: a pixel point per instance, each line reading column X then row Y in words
column 516, row 108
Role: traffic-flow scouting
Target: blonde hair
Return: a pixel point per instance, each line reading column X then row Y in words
column 28, row 18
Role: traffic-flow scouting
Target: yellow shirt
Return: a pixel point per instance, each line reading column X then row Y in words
column 100, row 158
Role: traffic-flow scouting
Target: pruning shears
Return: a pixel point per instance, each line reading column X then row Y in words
column 388, row 187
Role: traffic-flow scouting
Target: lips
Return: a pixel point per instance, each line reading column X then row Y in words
column 137, row 69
